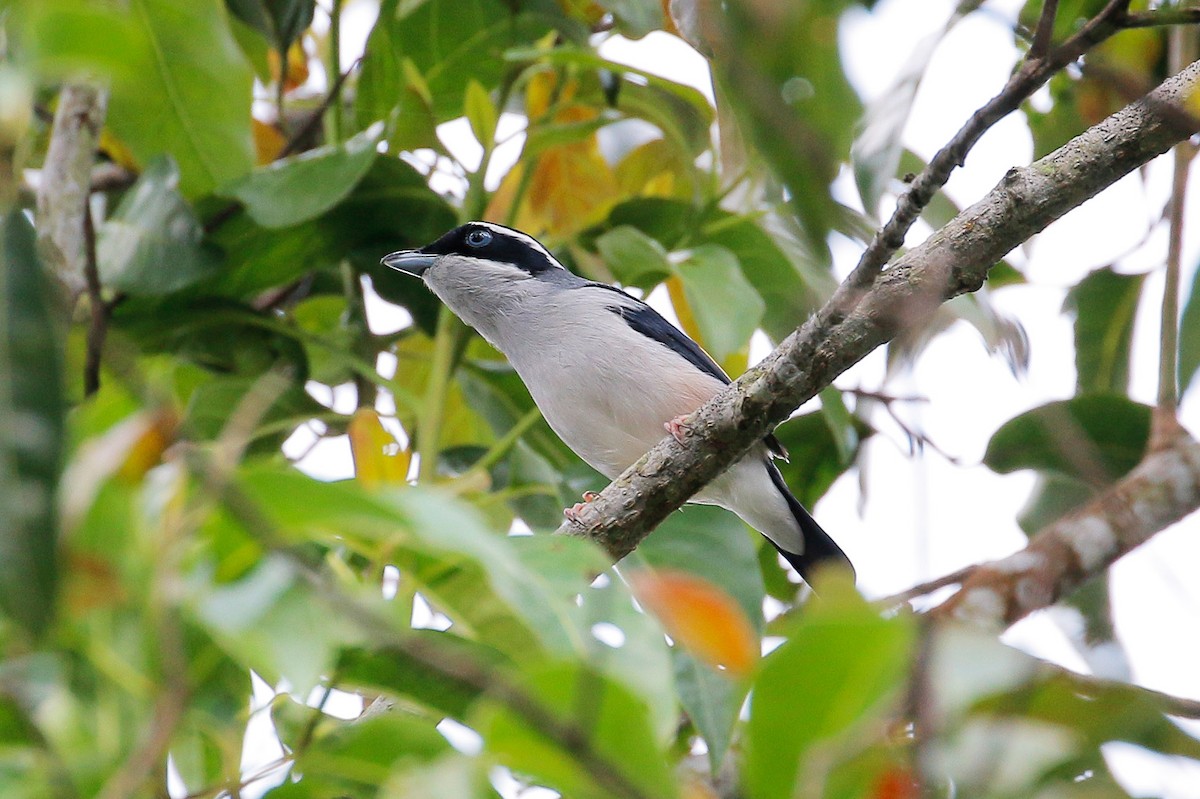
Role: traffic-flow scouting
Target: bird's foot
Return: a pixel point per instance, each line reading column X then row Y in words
column 679, row 428
column 572, row 513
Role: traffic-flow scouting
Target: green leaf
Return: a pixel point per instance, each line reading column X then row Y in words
column 179, row 82
column 154, row 244
column 31, row 429
column 832, row 674
column 280, row 21
column 711, row 700
column 420, row 61
column 634, row 258
column 390, row 208
column 273, row 621
column 1094, row 438
column 815, row 460
column 481, row 113
column 394, row 671
column 789, row 86
column 1053, row 497
column 841, row 424
column 611, row 721
column 363, row 754
column 1189, row 337
column 303, row 187
column 635, row 18
column 1104, row 304
column 641, row 662
column 713, row 284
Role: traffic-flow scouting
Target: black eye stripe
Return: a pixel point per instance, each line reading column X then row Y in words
column 494, row 243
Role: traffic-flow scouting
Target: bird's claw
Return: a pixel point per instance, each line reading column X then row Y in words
column 572, row 513
column 679, row 428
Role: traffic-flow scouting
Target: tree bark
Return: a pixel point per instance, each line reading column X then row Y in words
column 952, row 261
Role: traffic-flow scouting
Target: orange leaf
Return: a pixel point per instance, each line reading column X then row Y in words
column 268, row 142
column 117, row 151
column 894, row 783
column 700, row 617
column 378, row 457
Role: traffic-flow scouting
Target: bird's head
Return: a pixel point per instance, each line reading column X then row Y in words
column 477, row 251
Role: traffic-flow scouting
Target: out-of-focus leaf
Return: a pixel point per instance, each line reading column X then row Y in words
column 179, row 82
column 635, row 18
column 390, row 208
column 814, row 458
column 841, row 660
column 711, row 700
column 273, row 622
column 842, row 427
column 394, row 671
column 1053, row 497
column 349, row 758
column 702, row 618
column 634, row 258
column 31, row 429
column 1094, row 438
column 153, row 244
column 481, row 113
column 1189, row 337
column 713, row 283
column 612, row 720
column 792, row 92
column 635, row 653
column 421, row 60
column 1104, row 304
column 876, row 151
column 1098, row 711
column 378, row 457
column 305, row 186
column 280, row 21
column 714, row 545
column 457, row 775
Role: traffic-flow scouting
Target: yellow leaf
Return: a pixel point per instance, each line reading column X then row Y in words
column 117, row 151
column 296, row 74
column 378, row 457
column 571, row 186
column 683, row 311
column 155, row 432
column 700, row 617
column 268, row 142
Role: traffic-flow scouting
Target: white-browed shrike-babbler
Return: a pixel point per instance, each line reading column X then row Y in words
column 606, row 370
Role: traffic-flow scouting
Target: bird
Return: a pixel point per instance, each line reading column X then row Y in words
column 607, row 371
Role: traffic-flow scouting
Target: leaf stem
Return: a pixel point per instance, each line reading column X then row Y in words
column 333, row 124
column 450, row 334
column 1182, row 52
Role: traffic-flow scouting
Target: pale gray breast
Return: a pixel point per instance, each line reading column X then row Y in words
column 604, row 388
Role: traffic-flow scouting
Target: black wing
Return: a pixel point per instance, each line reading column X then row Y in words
column 650, row 323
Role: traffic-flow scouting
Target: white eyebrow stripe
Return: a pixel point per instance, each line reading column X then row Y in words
column 524, row 238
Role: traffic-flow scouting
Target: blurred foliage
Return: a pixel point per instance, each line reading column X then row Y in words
column 189, row 548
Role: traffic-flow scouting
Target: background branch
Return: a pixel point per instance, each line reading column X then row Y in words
column 1160, row 491
column 66, row 183
column 953, row 261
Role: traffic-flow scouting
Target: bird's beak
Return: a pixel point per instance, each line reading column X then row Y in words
column 414, row 262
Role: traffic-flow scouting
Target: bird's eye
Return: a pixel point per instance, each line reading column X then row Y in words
column 478, row 238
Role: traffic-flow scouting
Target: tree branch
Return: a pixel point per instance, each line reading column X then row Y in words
column 954, row 260
column 1160, row 491
column 66, row 184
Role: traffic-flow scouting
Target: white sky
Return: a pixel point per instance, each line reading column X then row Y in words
column 926, row 517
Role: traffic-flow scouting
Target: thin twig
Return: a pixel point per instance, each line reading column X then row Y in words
column 98, row 325
column 1045, row 30
column 1024, row 82
column 1162, row 16
column 306, row 130
column 923, row 589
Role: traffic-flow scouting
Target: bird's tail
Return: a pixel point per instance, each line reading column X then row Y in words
column 820, row 551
